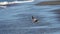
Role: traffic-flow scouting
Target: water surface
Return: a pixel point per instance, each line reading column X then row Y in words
column 17, row 19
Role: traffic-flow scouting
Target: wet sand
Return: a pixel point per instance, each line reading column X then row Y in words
column 49, row 3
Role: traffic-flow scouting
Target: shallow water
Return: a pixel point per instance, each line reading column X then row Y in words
column 17, row 19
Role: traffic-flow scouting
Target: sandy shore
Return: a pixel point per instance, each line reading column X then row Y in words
column 49, row 3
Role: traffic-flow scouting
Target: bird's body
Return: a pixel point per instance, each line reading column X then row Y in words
column 34, row 19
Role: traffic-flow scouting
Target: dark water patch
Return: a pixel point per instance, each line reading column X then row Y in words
column 57, row 11
column 49, row 3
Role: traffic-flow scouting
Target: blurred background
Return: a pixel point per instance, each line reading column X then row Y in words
column 16, row 19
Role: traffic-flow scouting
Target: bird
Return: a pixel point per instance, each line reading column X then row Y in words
column 34, row 19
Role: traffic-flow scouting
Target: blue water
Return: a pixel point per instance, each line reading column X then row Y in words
column 16, row 19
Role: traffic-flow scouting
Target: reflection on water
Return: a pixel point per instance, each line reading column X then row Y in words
column 17, row 19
